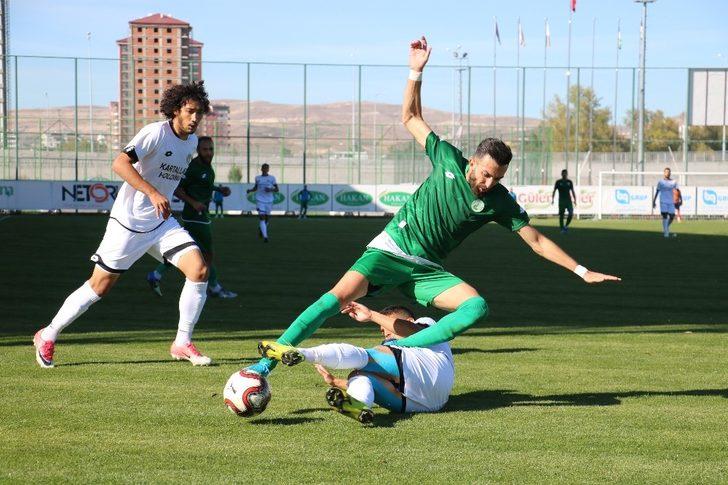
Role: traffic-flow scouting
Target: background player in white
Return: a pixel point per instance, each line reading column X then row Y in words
column 665, row 188
column 265, row 188
column 401, row 379
column 151, row 166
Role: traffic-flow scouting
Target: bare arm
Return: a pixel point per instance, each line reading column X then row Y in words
column 255, row 187
column 573, row 194
column 185, row 197
column 330, row 379
column 403, row 328
column 412, row 119
column 122, row 166
column 397, row 326
column 275, row 188
column 547, row 249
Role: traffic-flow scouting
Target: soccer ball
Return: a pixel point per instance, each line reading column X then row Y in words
column 246, row 393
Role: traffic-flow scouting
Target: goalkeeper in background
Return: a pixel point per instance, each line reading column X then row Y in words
column 195, row 190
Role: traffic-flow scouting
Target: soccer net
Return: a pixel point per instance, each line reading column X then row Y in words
column 630, row 193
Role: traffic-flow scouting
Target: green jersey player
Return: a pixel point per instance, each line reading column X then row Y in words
column 196, row 189
column 459, row 197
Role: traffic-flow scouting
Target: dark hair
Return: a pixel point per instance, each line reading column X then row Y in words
column 265, row 165
column 204, row 138
column 392, row 309
column 175, row 97
column 498, row 151
column 564, row 171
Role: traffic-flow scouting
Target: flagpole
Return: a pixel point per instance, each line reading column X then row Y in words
column 616, row 93
column 568, row 88
column 495, row 39
column 518, row 74
column 591, row 86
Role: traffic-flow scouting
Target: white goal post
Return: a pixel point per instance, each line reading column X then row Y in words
column 710, row 197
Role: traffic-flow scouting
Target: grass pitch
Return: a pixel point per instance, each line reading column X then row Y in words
column 563, row 383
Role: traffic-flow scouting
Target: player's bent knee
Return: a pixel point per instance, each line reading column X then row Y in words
column 477, row 307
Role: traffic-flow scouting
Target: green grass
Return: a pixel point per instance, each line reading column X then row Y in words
column 563, row 383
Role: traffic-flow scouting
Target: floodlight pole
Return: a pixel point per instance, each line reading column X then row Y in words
column 641, row 102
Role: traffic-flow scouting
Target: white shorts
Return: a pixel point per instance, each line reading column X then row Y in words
column 667, row 207
column 121, row 247
column 263, row 207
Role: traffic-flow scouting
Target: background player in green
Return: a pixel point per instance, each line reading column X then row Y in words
column 566, row 191
column 458, row 197
column 196, row 189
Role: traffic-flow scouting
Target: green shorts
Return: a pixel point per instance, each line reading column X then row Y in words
column 415, row 281
column 201, row 233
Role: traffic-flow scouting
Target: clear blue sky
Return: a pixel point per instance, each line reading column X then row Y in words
column 680, row 34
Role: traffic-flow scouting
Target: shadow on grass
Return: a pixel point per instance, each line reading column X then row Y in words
column 284, row 421
column 215, row 363
column 486, row 400
column 461, row 350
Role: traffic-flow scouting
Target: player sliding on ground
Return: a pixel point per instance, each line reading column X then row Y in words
column 400, row 379
column 151, row 166
column 459, row 197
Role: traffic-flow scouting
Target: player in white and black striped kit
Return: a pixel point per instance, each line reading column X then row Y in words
column 151, row 165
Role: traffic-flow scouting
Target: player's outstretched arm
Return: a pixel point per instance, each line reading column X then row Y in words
column 397, row 326
column 255, row 187
column 419, row 54
column 548, row 249
column 122, row 166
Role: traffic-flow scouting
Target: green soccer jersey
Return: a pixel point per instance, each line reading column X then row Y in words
column 199, row 183
column 564, row 187
column 444, row 211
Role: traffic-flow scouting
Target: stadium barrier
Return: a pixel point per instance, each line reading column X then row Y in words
column 616, row 200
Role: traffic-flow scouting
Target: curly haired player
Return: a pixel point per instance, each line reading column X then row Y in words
column 151, row 165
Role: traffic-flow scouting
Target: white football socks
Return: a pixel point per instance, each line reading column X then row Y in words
column 337, row 356
column 75, row 305
column 191, row 300
column 264, row 228
column 361, row 388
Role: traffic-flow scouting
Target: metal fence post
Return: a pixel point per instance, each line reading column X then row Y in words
column 247, row 126
column 75, row 116
column 17, row 125
column 359, row 145
column 305, row 121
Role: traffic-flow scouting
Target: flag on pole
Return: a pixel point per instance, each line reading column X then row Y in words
column 521, row 37
column 548, row 34
column 573, row 5
column 497, row 32
column 619, row 34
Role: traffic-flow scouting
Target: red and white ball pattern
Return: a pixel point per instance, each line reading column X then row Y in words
column 246, row 393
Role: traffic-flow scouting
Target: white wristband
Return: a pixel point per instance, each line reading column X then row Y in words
column 581, row 271
column 415, row 76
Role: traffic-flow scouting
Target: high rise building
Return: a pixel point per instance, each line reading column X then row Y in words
column 159, row 53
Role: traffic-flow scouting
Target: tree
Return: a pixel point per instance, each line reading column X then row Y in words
column 661, row 131
column 602, row 131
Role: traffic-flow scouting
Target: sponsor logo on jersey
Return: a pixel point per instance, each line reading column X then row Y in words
column 168, row 153
column 449, row 175
column 316, row 197
column 93, row 192
column 394, row 199
column 171, row 172
column 353, row 198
